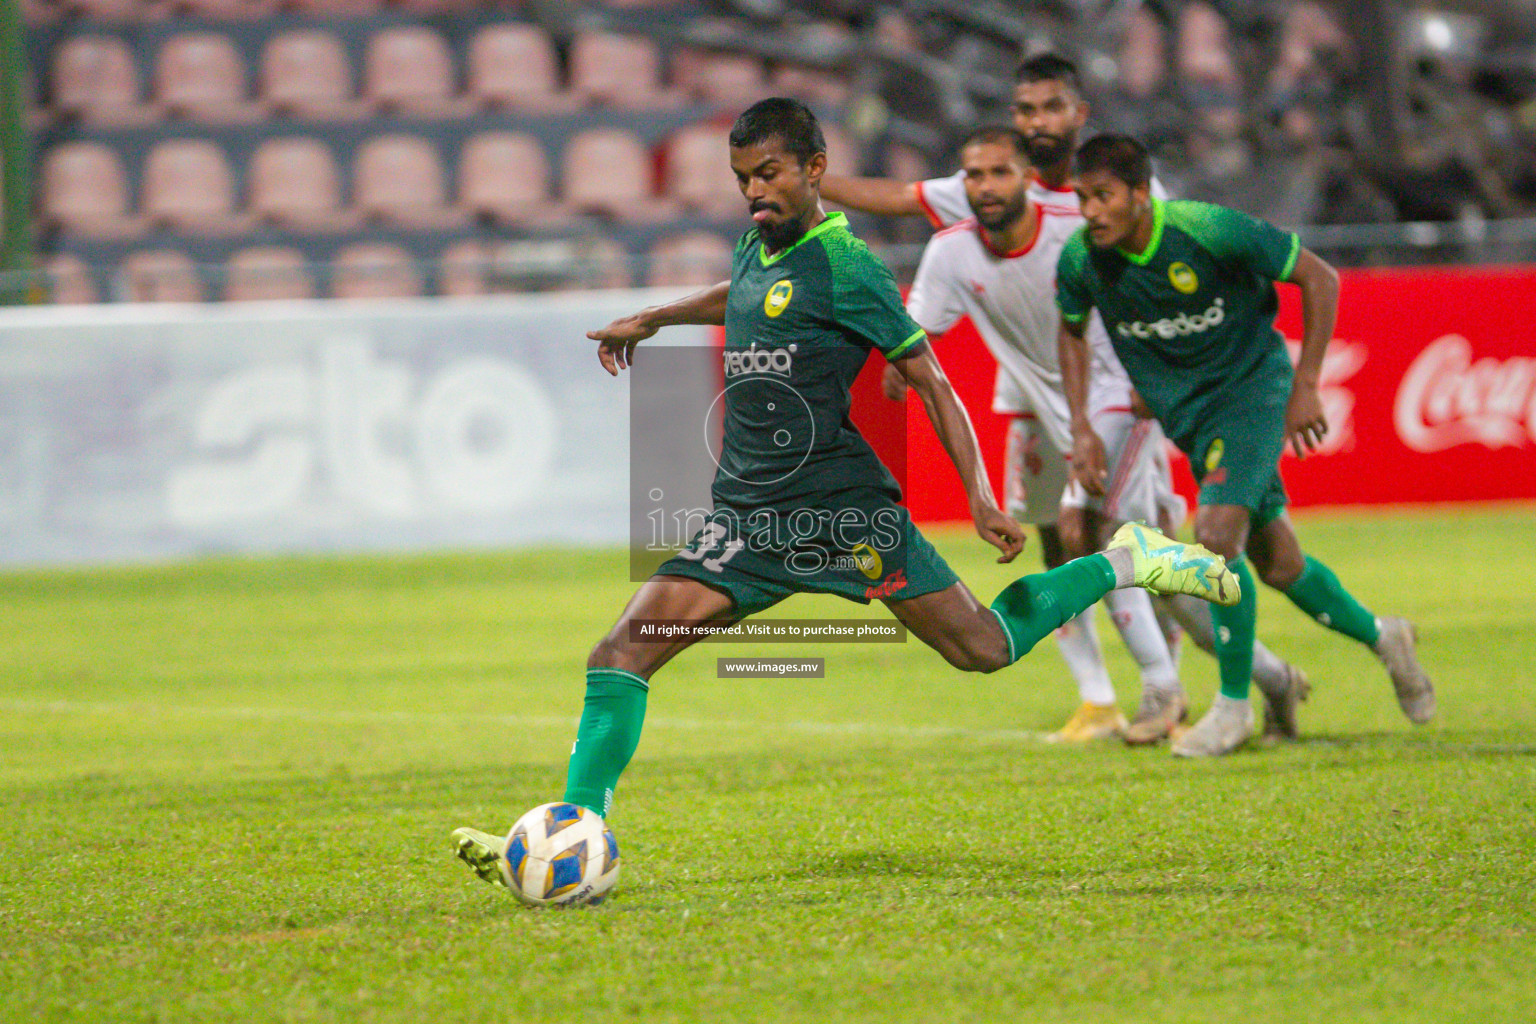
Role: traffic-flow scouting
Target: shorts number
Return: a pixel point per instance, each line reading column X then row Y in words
column 713, row 534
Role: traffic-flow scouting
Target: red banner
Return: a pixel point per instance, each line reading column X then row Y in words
column 1429, row 386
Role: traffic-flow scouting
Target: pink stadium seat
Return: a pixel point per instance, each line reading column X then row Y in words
column 618, row 71
column 504, row 177
column 188, row 185
column 68, row 280
column 372, row 270
column 85, row 191
column 693, row 258
column 95, row 78
column 408, row 69
column 810, row 85
column 399, row 179
column 699, row 174
column 160, row 275
column 305, row 72
column 461, row 268
column 201, row 75
column 267, row 272
column 734, row 79
column 225, row 10
column 115, row 11
column 294, row 182
column 607, row 170
column 514, row 67
column 334, row 8
column 843, row 153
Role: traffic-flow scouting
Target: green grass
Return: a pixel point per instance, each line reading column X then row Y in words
column 229, row 787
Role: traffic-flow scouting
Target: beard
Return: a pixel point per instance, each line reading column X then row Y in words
column 782, row 234
column 1045, row 150
column 1005, row 216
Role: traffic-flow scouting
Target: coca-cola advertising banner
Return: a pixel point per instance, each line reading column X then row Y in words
column 1429, row 385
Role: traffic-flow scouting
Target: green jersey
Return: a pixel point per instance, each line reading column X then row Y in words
column 799, row 326
column 1193, row 317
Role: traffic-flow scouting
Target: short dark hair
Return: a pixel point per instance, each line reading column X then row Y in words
column 1049, row 67
column 1120, row 155
column 998, row 133
column 789, row 121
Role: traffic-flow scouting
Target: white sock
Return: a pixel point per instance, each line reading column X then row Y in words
column 1195, row 616
column 1131, row 611
column 1079, row 644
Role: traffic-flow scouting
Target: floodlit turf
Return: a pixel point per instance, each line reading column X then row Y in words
column 229, row 786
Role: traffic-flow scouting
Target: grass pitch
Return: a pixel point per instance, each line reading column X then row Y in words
column 228, row 788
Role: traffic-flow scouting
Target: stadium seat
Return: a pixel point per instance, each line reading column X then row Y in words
column 618, row 71
column 398, row 179
column 267, row 272
column 160, row 275
column 224, row 10
column 609, row 171
column 68, row 281
column 504, row 177
column 334, row 8
column 294, row 182
column 306, row 73
column 735, row 79
column 200, row 75
column 810, row 85
column 374, row 270
column 95, row 78
column 188, row 185
column 461, row 268
column 85, row 191
column 408, row 69
column 117, row 12
column 514, row 67
column 693, row 258
column 698, row 172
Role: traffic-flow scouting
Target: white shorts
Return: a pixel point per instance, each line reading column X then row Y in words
column 1037, row 477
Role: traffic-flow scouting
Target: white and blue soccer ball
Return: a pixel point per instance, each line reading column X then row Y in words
column 560, row 855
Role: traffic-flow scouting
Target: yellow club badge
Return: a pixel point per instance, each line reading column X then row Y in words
column 778, row 298
column 868, row 559
column 1213, row 455
column 1183, row 278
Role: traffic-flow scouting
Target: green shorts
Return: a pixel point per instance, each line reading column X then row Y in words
column 1236, row 457
column 868, row 551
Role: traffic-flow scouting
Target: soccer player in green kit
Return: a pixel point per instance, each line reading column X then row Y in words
column 805, row 304
column 1187, row 293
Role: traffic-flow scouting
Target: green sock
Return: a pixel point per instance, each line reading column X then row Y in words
column 1031, row 607
column 1318, row 592
column 1235, row 628
column 606, row 738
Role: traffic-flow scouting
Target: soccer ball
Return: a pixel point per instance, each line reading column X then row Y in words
column 560, row 855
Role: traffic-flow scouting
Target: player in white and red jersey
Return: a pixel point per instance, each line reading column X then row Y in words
column 1049, row 112
column 999, row 268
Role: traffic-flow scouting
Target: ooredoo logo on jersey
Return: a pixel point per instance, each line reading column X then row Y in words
column 779, row 362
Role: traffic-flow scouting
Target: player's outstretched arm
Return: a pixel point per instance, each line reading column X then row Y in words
column 883, row 196
column 1089, row 464
column 617, row 341
column 1305, row 422
column 953, row 425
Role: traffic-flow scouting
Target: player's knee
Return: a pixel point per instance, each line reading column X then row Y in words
column 1281, row 572
column 1074, row 537
column 614, row 652
column 1220, row 537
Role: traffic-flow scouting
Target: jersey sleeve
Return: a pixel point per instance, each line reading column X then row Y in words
column 933, row 301
column 1074, row 297
column 867, row 303
column 1233, row 236
column 943, row 199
